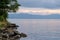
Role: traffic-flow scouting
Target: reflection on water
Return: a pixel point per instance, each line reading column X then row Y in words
column 39, row 29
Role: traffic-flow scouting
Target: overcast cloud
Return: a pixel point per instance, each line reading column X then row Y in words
column 43, row 7
column 52, row 4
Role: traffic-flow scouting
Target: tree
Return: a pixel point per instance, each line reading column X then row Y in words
column 5, row 7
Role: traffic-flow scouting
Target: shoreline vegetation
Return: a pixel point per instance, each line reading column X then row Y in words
column 8, row 31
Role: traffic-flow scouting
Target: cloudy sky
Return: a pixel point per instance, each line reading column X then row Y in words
column 43, row 7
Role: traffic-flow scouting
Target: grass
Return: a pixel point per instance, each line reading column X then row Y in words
column 3, row 24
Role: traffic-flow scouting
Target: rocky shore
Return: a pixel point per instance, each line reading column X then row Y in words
column 10, row 33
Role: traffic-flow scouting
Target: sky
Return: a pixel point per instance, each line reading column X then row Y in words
column 39, row 7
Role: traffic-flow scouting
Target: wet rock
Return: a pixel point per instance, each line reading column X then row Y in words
column 23, row 35
column 11, row 33
column 12, row 25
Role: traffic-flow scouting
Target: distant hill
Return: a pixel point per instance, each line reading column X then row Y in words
column 30, row 16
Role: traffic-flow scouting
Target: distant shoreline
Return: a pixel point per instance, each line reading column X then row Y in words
column 30, row 16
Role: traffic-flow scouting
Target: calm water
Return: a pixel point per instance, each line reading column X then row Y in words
column 39, row 29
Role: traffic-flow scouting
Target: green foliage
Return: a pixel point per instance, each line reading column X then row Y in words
column 1, row 19
column 7, row 6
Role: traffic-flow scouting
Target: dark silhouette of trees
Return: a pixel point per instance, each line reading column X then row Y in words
column 5, row 7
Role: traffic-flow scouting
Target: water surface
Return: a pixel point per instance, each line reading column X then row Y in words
column 39, row 29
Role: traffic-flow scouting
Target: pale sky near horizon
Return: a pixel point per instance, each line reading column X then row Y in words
column 43, row 7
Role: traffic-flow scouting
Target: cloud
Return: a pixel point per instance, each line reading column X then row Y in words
column 52, row 4
column 38, row 11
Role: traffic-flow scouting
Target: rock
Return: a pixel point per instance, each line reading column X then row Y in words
column 13, row 25
column 23, row 35
column 11, row 33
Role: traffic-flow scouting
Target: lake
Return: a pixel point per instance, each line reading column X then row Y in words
column 39, row 29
